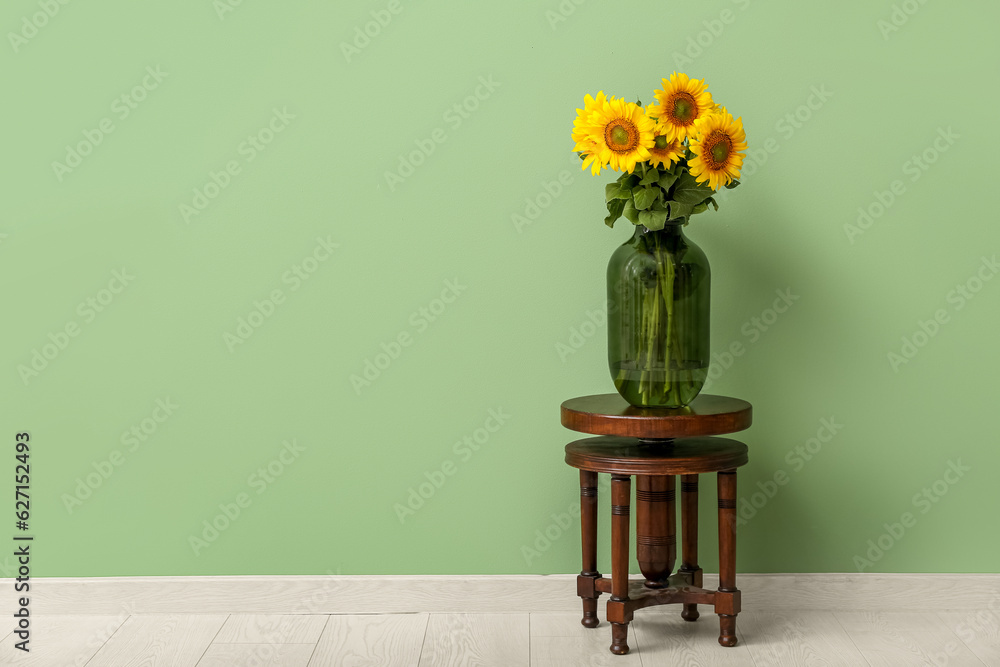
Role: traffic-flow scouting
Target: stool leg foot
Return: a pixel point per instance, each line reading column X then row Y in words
column 621, row 494
column 590, row 619
column 727, row 629
column 619, row 638
column 588, row 530
column 689, row 539
column 727, row 558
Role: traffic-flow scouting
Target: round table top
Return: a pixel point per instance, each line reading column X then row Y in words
column 610, row 414
column 626, row 456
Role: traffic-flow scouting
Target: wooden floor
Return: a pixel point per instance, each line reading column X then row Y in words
column 552, row 639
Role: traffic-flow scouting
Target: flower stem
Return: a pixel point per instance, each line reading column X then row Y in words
column 670, row 347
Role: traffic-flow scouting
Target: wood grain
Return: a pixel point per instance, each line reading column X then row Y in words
column 979, row 630
column 906, row 638
column 798, row 639
column 626, row 456
column 563, row 624
column 666, row 639
column 610, row 414
column 655, row 527
column 176, row 639
column 371, row 641
column 476, row 640
column 257, row 655
column 775, row 639
column 271, row 629
column 61, row 640
column 558, row 639
column 589, row 651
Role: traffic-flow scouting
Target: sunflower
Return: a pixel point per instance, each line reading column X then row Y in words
column 582, row 131
column 718, row 149
column 682, row 102
column 619, row 135
column 666, row 149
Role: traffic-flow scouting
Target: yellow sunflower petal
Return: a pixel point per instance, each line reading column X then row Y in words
column 617, row 132
column 717, row 149
column 681, row 103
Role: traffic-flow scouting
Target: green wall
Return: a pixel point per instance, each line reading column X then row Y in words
column 248, row 174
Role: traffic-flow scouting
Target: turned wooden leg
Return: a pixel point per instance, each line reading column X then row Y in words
column 588, row 526
column 621, row 493
column 689, row 540
column 655, row 528
column 619, row 638
column 727, row 601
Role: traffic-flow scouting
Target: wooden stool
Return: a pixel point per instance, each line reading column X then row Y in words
column 655, row 445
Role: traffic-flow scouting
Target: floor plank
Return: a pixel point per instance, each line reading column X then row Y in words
column 891, row 639
column 61, row 640
column 767, row 639
column 980, row 631
column 476, row 640
column 564, row 624
column 257, row 655
column 559, row 640
column 589, row 652
column 175, row 639
column 271, row 629
column 667, row 639
column 392, row 640
column 797, row 639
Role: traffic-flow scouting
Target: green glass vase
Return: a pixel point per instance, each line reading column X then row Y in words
column 659, row 285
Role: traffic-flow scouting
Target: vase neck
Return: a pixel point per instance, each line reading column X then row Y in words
column 673, row 228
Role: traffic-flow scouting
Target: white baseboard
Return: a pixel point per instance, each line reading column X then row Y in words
column 362, row 594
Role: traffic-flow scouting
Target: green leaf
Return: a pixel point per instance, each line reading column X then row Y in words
column 689, row 191
column 679, row 210
column 629, row 181
column 667, row 179
column 645, row 197
column 653, row 220
column 702, row 207
column 630, row 213
column 651, row 177
column 616, row 191
column 615, row 208
column 733, row 184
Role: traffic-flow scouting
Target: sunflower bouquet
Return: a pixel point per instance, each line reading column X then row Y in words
column 674, row 155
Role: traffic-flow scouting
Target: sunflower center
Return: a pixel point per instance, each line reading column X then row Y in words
column 621, row 136
column 683, row 108
column 662, row 146
column 718, row 148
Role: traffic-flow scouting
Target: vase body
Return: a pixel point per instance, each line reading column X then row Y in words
column 659, row 288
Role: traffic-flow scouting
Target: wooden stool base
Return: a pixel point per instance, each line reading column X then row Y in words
column 656, row 462
column 680, row 590
column 683, row 587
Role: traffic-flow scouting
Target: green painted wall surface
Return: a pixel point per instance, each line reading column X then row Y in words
column 219, row 250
